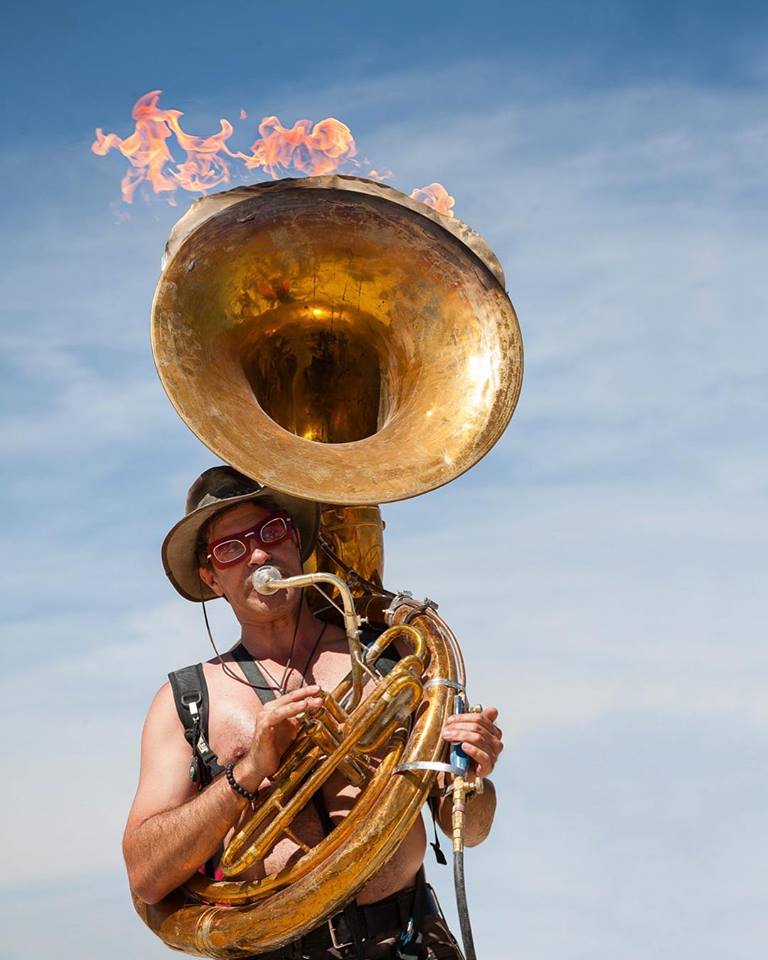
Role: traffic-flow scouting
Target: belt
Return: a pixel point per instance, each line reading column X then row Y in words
column 371, row 919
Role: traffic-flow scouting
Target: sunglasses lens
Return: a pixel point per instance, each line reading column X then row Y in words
column 229, row 551
column 274, row 531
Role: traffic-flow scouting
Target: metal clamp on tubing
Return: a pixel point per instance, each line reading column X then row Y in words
column 429, row 765
column 445, row 682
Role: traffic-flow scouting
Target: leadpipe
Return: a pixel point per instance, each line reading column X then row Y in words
column 268, row 580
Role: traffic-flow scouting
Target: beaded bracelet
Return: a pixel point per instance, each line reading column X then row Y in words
column 236, row 786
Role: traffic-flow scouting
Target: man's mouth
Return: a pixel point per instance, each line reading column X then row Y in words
column 249, row 579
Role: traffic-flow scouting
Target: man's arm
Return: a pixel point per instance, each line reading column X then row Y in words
column 171, row 828
column 480, row 739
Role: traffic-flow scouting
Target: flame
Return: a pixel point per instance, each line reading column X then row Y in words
column 436, row 196
column 313, row 150
column 208, row 162
column 204, row 167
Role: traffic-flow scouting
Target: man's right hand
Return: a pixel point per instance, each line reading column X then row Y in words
column 276, row 728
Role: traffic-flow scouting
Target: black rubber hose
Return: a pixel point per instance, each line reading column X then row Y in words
column 461, row 905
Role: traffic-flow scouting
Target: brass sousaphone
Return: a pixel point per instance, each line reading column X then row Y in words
column 343, row 343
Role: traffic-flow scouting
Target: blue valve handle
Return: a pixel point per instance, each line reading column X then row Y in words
column 459, row 758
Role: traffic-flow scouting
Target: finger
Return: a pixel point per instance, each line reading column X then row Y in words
column 455, row 731
column 299, row 693
column 491, row 747
column 477, row 719
column 289, row 711
column 484, row 762
column 490, row 713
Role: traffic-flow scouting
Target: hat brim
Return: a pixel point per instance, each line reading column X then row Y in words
column 179, row 553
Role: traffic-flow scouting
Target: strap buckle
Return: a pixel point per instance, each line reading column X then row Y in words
column 337, row 945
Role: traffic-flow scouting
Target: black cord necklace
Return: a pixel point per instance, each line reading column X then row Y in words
column 279, row 688
column 282, row 687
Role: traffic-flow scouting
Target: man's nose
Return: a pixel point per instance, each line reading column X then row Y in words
column 259, row 556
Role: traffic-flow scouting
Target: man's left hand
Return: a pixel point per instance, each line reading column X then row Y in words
column 479, row 737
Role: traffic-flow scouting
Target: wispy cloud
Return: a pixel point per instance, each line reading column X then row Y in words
column 603, row 565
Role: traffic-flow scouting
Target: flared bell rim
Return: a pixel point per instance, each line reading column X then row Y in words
column 407, row 456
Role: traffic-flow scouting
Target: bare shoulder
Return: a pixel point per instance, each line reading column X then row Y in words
column 164, row 775
column 162, row 712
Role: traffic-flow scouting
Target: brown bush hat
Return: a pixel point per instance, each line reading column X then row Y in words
column 218, row 489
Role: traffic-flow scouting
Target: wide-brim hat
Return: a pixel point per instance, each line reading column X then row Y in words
column 220, row 488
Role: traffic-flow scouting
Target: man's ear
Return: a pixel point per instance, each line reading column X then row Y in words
column 209, row 578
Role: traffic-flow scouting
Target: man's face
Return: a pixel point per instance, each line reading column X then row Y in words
column 234, row 582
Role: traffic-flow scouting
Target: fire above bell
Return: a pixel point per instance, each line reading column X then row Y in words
column 336, row 339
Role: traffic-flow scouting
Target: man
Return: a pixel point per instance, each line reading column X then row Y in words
column 232, row 526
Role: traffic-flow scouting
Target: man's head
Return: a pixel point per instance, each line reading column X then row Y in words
column 212, row 502
column 239, row 541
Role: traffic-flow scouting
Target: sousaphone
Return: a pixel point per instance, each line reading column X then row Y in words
column 343, row 343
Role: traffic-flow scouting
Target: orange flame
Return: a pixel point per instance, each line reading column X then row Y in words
column 436, row 196
column 313, row 150
column 204, row 167
column 208, row 160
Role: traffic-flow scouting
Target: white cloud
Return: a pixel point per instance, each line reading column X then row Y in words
column 603, row 565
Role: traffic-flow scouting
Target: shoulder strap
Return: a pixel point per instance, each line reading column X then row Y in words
column 190, row 694
column 253, row 674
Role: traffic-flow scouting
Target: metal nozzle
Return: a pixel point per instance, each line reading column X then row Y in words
column 263, row 580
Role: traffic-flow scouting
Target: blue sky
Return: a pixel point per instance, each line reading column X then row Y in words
column 614, row 156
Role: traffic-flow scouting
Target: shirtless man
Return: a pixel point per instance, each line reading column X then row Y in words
column 232, row 526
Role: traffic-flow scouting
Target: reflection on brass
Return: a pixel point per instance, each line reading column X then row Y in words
column 335, row 340
column 351, row 538
column 341, row 342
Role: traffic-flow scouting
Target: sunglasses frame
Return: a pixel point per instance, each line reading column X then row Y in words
column 249, row 533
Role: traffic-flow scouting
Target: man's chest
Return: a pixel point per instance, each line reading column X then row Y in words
column 234, row 705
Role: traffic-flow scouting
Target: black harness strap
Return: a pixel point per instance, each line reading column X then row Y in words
column 190, row 694
column 409, row 945
column 254, row 674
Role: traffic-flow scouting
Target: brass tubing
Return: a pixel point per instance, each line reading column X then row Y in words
column 243, row 892
column 371, row 839
column 232, row 862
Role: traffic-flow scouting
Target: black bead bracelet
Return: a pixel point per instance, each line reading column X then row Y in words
column 228, row 771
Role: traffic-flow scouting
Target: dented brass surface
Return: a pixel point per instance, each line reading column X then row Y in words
column 336, row 342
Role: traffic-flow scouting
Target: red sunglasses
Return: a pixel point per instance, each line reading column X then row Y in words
column 233, row 547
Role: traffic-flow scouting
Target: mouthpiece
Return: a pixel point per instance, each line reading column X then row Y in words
column 263, row 578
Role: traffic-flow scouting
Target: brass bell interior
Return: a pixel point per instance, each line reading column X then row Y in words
column 336, row 345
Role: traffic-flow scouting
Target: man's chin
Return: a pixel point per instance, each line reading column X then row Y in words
column 281, row 600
